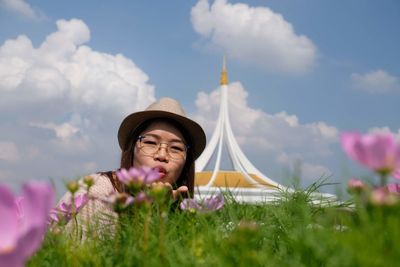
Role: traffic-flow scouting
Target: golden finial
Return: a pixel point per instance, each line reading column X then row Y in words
column 224, row 74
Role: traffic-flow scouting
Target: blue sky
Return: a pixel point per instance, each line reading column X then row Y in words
column 301, row 72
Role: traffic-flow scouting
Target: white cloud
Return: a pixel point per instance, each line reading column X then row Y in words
column 253, row 34
column 62, row 103
column 62, row 131
column 309, row 172
column 280, row 138
column 378, row 81
column 63, row 68
column 23, row 8
column 9, row 152
column 68, row 136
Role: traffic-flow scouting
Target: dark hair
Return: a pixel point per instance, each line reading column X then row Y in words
column 128, row 154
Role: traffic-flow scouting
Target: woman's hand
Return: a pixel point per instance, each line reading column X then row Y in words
column 179, row 193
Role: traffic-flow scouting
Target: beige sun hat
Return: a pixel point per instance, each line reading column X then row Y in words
column 164, row 108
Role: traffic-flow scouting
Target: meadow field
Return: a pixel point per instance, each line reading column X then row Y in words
column 290, row 232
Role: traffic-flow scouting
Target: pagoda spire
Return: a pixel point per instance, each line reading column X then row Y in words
column 224, row 74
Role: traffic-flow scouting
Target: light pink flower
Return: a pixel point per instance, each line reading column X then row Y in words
column 355, row 185
column 138, row 176
column 119, row 201
column 190, row 204
column 209, row 204
column 22, row 228
column 63, row 213
column 381, row 196
column 378, row 152
column 142, row 198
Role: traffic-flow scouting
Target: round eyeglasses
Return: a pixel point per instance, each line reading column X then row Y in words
column 150, row 145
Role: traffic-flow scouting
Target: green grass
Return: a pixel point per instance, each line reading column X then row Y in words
column 290, row 232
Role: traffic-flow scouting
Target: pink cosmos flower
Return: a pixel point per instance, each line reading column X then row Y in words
column 22, row 228
column 142, row 198
column 355, row 185
column 119, row 201
column 138, row 176
column 381, row 196
column 209, row 204
column 378, row 152
column 190, row 204
column 63, row 213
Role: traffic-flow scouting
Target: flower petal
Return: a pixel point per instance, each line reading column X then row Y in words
column 81, row 201
column 8, row 222
column 11, row 260
column 38, row 202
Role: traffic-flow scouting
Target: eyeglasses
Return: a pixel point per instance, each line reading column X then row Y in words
column 150, row 145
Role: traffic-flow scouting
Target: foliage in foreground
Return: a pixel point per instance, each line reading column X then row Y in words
column 291, row 232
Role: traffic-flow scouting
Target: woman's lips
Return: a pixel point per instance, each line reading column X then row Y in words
column 162, row 171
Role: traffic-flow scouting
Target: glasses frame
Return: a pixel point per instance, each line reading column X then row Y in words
column 140, row 145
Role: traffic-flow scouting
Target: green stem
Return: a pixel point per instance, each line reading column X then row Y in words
column 383, row 179
column 146, row 229
column 89, row 211
column 161, row 233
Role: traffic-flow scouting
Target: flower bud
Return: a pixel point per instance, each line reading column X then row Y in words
column 160, row 192
column 355, row 185
column 88, row 181
column 73, row 186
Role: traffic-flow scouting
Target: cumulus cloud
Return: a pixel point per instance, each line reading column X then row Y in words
column 63, row 131
column 279, row 138
column 253, row 34
column 62, row 67
column 21, row 7
column 62, row 102
column 378, row 81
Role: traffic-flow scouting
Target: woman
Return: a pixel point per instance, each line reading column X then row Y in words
column 160, row 137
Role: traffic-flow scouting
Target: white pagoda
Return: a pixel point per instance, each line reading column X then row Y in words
column 245, row 182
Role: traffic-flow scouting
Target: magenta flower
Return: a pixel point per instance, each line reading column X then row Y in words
column 137, row 177
column 378, row 152
column 23, row 222
column 63, row 213
column 209, row 204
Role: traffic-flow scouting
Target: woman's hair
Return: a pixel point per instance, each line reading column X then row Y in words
column 128, row 154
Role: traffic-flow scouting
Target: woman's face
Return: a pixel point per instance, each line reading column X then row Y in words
column 171, row 141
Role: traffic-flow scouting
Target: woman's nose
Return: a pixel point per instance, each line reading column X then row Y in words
column 162, row 154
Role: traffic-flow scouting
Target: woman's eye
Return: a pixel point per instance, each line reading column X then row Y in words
column 177, row 149
column 149, row 142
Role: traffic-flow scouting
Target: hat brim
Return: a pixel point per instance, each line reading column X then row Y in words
column 134, row 120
